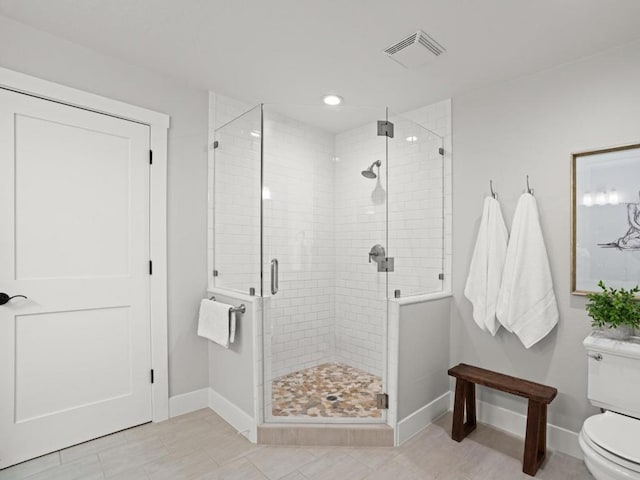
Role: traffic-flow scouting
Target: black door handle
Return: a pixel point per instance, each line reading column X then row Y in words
column 4, row 298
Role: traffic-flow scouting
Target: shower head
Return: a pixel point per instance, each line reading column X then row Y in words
column 368, row 173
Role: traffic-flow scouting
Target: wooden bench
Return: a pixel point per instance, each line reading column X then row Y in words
column 539, row 396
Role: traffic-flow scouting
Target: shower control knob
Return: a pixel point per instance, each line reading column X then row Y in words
column 377, row 253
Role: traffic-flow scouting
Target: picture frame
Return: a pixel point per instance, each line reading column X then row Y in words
column 605, row 218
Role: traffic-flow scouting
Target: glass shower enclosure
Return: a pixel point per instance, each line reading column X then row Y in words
column 327, row 213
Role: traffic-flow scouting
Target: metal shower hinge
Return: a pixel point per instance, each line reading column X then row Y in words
column 382, row 401
column 441, row 151
column 441, row 276
column 386, row 265
column 385, row 128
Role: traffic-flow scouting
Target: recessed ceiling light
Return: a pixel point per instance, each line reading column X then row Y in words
column 332, row 100
column 411, row 139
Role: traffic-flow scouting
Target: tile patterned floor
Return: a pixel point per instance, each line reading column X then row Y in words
column 304, row 393
column 201, row 446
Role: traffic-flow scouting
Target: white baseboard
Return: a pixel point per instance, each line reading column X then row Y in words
column 237, row 418
column 558, row 438
column 209, row 398
column 422, row 418
column 188, row 402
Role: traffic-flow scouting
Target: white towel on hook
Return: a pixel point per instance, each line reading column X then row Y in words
column 216, row 323
column 526, row 302
column 485, row 271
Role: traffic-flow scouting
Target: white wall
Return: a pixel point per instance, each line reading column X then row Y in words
column 423, row 354
column 231, row 370
column 36, row 53
column 530, row 126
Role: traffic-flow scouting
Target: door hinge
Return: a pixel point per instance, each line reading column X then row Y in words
column 216, row 144
column 441, row 276
column 385, row 128
column 382, row 401
column 441, row 151
column 152, row 377
column 150, row 267
column 150, row 157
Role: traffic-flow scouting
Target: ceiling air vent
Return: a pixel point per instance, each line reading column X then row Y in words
column 415, row 50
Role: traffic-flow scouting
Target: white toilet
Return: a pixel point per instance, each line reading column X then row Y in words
column 610, row 441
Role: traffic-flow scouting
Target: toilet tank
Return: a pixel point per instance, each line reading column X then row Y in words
column 614, row 374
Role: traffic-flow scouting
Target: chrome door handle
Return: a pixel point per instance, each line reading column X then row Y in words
column 596, row 356
column 274, row 276
column 4, row 298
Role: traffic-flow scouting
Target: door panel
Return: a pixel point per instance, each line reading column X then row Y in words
column 74, row 199
column 84, row 238
column 100, row 337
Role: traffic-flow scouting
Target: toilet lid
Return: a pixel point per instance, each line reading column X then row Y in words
column 615, row 433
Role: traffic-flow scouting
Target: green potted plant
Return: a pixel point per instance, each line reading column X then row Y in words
column 615, row 312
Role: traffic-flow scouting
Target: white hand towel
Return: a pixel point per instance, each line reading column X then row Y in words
column 214, row 322
column 232, row 327
column 485, row 272
column 526, row 302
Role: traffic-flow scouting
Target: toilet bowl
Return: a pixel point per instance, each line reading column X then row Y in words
column 609, row 442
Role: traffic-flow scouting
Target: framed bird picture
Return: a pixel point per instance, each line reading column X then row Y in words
column 605, row 218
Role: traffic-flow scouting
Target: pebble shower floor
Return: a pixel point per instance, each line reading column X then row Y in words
column 327, row 390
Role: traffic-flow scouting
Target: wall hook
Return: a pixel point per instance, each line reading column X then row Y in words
column 529, row 189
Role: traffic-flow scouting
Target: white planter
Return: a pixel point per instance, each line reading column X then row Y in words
column 623, row 332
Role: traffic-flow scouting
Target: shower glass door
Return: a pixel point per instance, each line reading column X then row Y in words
column 324, row 280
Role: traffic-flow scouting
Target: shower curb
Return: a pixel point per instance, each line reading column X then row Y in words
column 326, row 435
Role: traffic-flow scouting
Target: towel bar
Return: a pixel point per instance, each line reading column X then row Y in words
column 241, row 308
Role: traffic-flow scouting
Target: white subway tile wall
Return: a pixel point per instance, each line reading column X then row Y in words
column 298, row 231
column 416, row 203
column 321, row 218
column 234, row 190
column 437, row 118
column 361, row 290
column 237, row 197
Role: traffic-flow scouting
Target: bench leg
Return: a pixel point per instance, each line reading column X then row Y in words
column 535, row 443
column 470, row 394
column 465, row 397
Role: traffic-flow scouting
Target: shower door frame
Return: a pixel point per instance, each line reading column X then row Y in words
column 265, row 416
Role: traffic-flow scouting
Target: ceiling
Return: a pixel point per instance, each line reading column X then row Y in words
column 294, row 51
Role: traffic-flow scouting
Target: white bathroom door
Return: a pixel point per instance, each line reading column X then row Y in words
column 74, row 239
